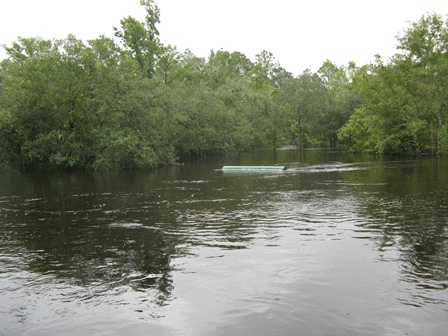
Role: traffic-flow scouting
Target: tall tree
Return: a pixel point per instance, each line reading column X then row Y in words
column 267, row 67
column 425, row 54
column 405, row 102
column 169, row 66
column 342, row 100
column 223, row 65
column 305, row 97
column 141, row 38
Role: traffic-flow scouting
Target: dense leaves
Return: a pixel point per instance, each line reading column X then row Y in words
column 405, row 106
column 136, row 103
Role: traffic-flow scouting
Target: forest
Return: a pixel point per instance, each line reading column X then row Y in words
column 133, row 102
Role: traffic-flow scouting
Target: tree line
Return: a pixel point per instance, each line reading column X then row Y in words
column 133, row 102
column 404, row 101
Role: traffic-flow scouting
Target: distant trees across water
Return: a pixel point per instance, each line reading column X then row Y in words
column 133, row 102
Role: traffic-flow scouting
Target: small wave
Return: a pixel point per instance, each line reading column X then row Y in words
column 126, row 225
column 133, row 226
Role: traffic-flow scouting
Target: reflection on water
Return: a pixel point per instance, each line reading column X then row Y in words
column 335, row 245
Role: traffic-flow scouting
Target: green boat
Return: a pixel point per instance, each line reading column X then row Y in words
column 254, row 168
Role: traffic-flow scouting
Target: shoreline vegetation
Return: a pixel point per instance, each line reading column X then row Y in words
column 132, row 102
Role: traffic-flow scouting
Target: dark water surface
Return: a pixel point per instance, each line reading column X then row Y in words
column 335, row 245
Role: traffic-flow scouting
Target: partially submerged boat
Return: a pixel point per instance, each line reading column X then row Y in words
column 254, row 168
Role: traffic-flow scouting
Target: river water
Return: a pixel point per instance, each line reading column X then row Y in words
column 335, row 245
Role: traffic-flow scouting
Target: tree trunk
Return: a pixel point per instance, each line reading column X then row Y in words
column 300, row 129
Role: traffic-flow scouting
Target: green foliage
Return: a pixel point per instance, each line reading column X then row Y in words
column 69, row 104
column 358, row 135
column 407, row 98
column 141, row 38
column 342, row 100
column 305, row 99
column 78, row 107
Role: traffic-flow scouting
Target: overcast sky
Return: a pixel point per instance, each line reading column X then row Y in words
column 300, row 34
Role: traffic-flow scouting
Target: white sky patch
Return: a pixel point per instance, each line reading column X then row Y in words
column 300, row 34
